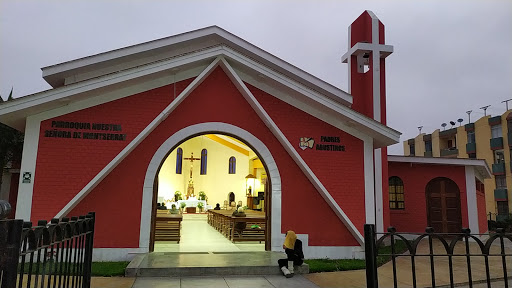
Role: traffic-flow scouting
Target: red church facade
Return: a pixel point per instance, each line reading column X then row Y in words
column 96, row 141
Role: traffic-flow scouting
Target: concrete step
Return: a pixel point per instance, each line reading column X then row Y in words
column 207, row 263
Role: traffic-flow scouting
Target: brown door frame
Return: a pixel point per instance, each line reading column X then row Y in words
column 153, row 215
column 268, row 214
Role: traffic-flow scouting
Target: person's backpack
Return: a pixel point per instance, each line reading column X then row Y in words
column 298, row 249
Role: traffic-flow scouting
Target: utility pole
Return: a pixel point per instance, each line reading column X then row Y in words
column 506, row 102
column 485, row 109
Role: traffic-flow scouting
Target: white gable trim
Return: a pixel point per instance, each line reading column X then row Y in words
column 209, row 36
column 291, row 151
column 351, row 114
column 135, row 142
column 62, row 93
column 384, row 133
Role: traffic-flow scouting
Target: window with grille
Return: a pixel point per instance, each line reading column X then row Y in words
column 501, row 181
column 499, row 156
column 179, row 160
column 204, row 156
column 502, row 207
column 471, row 137
column 396, row 193
column 412, row 150
column 232, row 165
column 496, row 131
column 428, row 146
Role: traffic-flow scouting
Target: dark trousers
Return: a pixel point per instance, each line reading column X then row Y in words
column 291, row 257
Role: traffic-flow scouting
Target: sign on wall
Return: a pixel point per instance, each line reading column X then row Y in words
column 327, row 143
column 27, row 177
column 85, row 130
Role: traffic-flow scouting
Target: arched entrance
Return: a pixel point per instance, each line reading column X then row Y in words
column 443, row 205
column 151, row 181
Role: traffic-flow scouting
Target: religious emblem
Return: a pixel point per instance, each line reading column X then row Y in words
column 306, row 142
column 27, row 176
column 190, row 189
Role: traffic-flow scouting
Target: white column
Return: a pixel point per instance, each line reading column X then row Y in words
column 369, row 182
column 471, row 200
column 379, row 213
column 28, row 164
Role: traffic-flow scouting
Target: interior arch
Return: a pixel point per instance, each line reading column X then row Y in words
column 210, row 128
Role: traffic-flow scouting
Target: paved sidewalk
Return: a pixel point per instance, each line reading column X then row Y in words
column 357, row 278
column 269, row 281
column 349, row 279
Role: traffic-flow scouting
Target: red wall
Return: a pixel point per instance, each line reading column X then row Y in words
column 64, row 166
column 480, row 202
column 415, row 177
column 117, row 199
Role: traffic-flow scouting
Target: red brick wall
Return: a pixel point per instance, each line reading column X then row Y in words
column 416, row 177
column 64, row 166
column 480, row 202
column 118, row 203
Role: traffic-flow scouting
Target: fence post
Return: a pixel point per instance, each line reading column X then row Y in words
column 370, row 252
column 88, row 250
column 10, row 251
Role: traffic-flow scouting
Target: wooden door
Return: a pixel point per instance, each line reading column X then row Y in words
column 153, row 216
column 443, row 206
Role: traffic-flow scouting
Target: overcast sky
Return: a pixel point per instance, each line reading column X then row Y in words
column 450, row 56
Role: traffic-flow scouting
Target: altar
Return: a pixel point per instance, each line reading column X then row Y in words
column 192, row 203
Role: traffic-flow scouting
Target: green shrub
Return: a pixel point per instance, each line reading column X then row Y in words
column 330, row 265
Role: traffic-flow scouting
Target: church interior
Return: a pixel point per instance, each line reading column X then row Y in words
column 202, row 173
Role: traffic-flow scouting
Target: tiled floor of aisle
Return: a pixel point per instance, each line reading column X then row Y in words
column 198, row 236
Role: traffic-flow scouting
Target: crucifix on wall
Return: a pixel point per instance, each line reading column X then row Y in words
column 190, row 189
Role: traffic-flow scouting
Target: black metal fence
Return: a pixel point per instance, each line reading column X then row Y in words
column 55, row 254
column 495, row 221
column 493, row 247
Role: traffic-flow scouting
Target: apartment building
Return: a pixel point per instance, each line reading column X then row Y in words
column 488, row 138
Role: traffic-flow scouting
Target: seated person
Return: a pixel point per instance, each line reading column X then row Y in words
column 174, row 210
column 293, row 249
column 217, row 207
column 161, row 206
column 239, row 212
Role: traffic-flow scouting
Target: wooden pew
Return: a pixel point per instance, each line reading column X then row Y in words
column 248, row 233
column 168, row 226
column 224, row 222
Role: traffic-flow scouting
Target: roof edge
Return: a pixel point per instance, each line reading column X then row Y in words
column 442, row 161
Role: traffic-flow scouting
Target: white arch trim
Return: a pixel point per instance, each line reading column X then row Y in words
column 211, row 127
